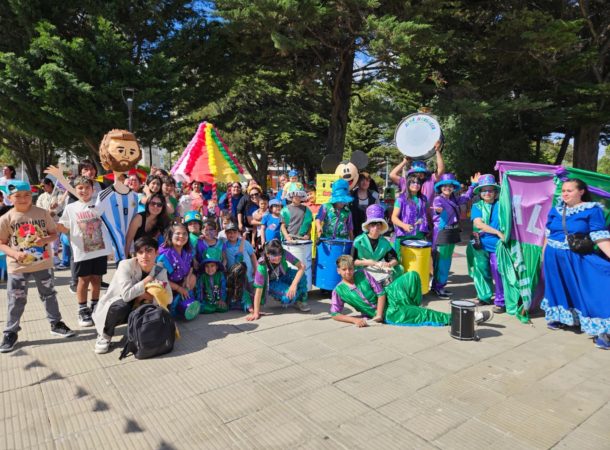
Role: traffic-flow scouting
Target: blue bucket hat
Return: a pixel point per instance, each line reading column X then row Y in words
column 418, row 167
column 293, row 173
column 486, row 180
column 340, row 192
column 447, row 179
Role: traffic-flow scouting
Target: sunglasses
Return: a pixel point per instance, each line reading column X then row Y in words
column 157, row 204
column 415, row 182
column 254, row 194
column 487, row 191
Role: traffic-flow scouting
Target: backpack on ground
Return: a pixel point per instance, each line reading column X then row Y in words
column 151, row 331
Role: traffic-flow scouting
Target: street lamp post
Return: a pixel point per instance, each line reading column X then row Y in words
column 128, row 95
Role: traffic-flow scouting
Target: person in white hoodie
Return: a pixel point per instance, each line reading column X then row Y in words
column 128, row 287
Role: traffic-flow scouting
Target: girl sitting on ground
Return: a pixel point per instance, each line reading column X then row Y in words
column 274, row 278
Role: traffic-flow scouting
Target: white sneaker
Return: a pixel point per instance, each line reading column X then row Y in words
column 302, row 306
column 483, row 316
column 102, row 345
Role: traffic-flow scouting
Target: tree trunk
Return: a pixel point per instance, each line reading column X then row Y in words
column 586, row 146
column 564, row 147
column 340, row 103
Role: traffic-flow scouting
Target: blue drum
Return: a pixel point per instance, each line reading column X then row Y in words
column 185, row 308
column 327, row 252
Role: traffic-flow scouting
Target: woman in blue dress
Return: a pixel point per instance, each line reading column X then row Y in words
column 576, row 285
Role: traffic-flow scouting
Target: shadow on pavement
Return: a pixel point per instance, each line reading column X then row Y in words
column 486, row 333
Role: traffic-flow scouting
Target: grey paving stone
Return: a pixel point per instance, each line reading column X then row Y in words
column 526, row 423
column 293, row 380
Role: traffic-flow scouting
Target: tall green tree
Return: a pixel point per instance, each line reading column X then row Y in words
column 62, row 80
column 337, row 43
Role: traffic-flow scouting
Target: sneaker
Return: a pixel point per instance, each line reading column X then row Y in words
column 554, row 325
column 302, row 306
column 499, row 309
column 483, row 316
column 94, row 307
column 84, row 317
column 479, row 302
column 61, row 329
column 448, row 292
column 104, row 285
column 441, row 293
column 72, row 289
column 61, row 266
column 8, row 342
column 601, row 342
column 102, row 345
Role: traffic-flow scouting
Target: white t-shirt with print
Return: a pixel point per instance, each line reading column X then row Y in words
column 89, row 236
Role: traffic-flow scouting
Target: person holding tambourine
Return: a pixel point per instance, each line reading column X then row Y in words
column 575, row 275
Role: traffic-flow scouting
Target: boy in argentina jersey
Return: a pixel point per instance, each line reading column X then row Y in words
column 117, row 210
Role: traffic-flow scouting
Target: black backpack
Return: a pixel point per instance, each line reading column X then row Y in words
column 151, row 331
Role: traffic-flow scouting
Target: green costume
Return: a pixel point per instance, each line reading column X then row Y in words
column 335, row 226
column 403, row 300
column 365, row 251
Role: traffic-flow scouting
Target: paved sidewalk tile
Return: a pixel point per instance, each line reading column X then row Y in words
column 305, row 381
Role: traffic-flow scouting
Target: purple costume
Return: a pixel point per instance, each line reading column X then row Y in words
column 177, row 265
column 412, row 211
column 449, row 217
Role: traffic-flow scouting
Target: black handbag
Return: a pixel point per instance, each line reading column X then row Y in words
column 475, row 237
column 475, row 241
column 579, row 243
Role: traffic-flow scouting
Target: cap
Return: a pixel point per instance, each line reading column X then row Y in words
column 18, row 185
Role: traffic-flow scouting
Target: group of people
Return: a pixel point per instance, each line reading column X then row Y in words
column 231, row 254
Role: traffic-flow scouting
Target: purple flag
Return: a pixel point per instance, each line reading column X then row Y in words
column 531, row 199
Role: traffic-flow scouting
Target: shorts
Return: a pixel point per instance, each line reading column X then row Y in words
column 95, row 266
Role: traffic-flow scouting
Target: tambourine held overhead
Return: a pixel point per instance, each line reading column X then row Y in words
column 416, row 136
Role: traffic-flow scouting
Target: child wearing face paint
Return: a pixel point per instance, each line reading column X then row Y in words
column 213, row 287
column 215, row 247
column 446, row 233
column 410, row 215
column 274, row 278
column 194, row 222
column 334, row 219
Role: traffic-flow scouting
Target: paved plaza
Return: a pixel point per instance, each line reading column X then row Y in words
column 302, row 380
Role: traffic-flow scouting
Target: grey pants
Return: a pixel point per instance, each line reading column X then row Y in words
column 17, row 289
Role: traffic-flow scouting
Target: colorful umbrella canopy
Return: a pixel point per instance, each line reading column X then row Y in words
column 207, row 159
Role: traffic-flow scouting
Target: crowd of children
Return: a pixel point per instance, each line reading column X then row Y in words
column 217, row 257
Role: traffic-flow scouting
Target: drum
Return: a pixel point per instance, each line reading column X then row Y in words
column 462, row 320
column 186, row 308
column 416, row 135
column 416, row 255
column 301, row 249
column 328, row 250
column 383, row 277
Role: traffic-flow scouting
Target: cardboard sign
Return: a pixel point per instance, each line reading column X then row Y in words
column 324, row 183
